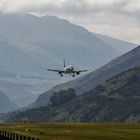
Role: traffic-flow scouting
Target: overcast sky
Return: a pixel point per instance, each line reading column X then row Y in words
column 116, row 18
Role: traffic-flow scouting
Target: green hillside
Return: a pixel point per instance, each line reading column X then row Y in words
column 117, row 100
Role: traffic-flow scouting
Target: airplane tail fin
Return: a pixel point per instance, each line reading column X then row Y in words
column 64, row 63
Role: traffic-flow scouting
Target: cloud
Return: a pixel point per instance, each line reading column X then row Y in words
column 133, row 7
column 70, row 7
column 11, row 6
column 104, row 16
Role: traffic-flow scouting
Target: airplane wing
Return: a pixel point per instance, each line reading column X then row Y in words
column 80, row 71
column 59, row 71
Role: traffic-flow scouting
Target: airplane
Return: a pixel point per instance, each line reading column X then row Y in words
column 67, row 70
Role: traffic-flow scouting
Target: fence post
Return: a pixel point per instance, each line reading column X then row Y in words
column 17, row 137
column 14, row 136
column 2, row 132
column 5, row 134
column 20, row 137
column 24, row 137
column 11, row 136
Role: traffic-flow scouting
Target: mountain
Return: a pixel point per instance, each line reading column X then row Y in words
column 6, row 105
column 29, row 44
column 116, row 100
column 120, row 45
column 95, row 78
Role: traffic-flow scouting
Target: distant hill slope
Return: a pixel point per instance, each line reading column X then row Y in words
column 97, row 77
column 31, row 43
column 120, row 45
column 6, row 105
column 116, row 100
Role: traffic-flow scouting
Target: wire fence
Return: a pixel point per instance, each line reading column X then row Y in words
column 5, row 135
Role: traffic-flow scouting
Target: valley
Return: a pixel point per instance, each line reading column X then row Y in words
column 69, row 70
column 31, row 44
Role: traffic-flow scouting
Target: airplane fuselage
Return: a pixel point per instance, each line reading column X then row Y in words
column 69, row 69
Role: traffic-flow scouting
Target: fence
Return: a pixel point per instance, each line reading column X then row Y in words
column 5, row 135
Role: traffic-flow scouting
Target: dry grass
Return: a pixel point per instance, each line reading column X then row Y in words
column 77, row 131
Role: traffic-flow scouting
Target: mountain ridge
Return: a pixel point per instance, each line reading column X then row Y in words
column 87, row 82
column 6, row 105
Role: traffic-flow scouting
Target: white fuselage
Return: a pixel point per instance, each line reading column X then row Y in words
column 68, row 69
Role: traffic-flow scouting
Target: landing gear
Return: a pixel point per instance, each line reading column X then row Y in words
column 73, row 75
column 61, row 74
column 77, row 73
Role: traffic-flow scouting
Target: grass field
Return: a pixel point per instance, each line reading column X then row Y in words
column 77, row 131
